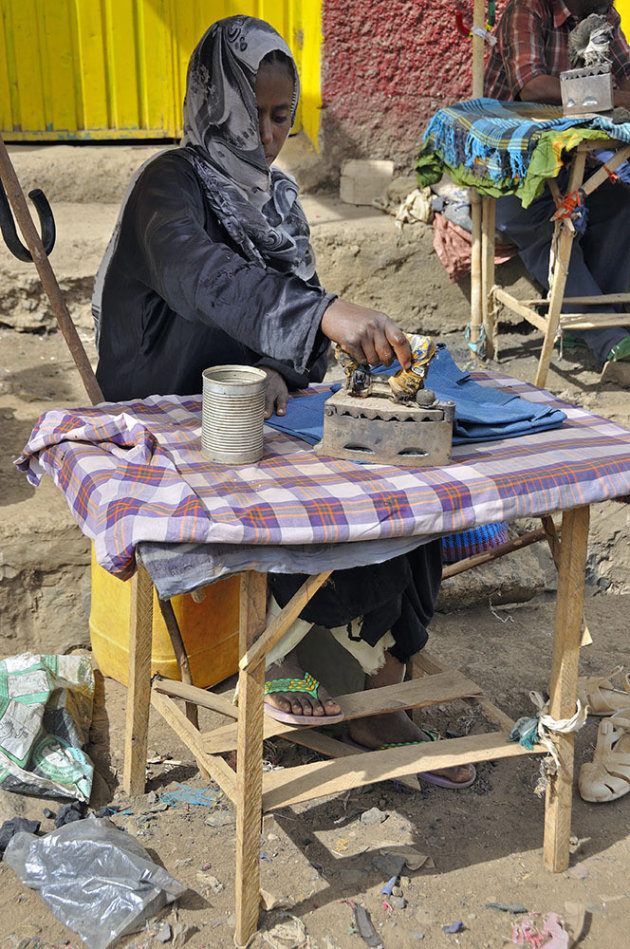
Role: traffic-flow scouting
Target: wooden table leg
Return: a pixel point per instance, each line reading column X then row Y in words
column 249, row 752
column 563, row 242
column 476, row 289
column 138, row 683
column 563, row 686
column 488, row 306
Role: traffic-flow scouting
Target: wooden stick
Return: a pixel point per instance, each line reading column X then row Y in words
column 599, row 177
column 213, row 766
column 564, row 238
column 425, row 664
column 521, row 307
column 305, row 782
column 517, row 543
column 488, row 218
column 139, row 683
column 175, row 635
column 602, row 298
column 191, row 693
column 563, row 684
column 447, row 687
column 589, row 321
column 46, row 275
column 251, row 685
column 478, row 50
column 276, row 629
column 476, row 289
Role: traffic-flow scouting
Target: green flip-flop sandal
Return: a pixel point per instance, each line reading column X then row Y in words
column 308, row 685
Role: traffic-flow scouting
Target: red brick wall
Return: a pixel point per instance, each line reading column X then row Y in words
column 387, row 66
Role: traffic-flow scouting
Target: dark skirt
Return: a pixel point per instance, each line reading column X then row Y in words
column 398, row 595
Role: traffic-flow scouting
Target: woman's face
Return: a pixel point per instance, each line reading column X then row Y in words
column 274, row 93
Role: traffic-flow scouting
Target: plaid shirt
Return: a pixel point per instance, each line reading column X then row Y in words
column 533, row 37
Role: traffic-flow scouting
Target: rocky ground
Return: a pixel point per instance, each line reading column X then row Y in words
column 482, row 844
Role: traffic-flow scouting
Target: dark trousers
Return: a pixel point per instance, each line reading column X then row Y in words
column 600, row 258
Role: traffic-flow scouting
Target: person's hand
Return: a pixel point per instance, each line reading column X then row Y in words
column 367, row 335
column 276, row 393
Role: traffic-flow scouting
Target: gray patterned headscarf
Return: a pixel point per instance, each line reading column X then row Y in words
column 257, row 206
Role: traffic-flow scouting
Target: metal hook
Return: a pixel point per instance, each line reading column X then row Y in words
column 46, row 220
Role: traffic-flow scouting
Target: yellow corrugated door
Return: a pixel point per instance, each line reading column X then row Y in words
column 111, row 69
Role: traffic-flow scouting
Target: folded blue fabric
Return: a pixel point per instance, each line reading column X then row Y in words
column 481, row 414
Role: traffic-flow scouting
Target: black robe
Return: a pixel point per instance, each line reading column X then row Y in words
column 180, row 297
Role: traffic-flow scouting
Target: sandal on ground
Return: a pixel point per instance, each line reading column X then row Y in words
column 607, row 776
column 427, row 776
column 309, row 685
column 605, row 695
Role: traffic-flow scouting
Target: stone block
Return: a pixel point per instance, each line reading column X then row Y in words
column 362, row 180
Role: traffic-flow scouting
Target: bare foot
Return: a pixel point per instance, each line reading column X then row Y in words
column 374, row 731
column 298, row 703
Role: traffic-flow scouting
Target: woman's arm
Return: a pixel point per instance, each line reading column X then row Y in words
column 202, row 278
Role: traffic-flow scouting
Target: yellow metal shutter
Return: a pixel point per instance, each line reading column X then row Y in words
column 116, row 69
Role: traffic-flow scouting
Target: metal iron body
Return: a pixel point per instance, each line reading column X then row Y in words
column 587, row 89
column 388, row 420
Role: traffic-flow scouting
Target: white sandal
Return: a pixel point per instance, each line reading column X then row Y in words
column 607, row 776
column 602, row 695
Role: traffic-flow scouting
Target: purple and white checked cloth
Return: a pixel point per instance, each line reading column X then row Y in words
column 133, row 473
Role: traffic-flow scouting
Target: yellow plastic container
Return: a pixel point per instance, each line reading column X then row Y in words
column 209, row 630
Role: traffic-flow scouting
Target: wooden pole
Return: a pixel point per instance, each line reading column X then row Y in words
column 251, row 683
column 138, row 683
column 476, row 288
column 562, row 242
column 49, row 281
column 563, row 685
column 525, row 540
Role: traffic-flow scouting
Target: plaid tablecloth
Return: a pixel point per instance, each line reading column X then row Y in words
column 133, row 473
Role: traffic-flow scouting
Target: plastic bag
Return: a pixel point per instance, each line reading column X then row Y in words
column 97, row 879
column 45, row 716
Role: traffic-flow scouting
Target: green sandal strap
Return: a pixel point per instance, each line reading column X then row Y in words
column 309, row 685
column 403, row 744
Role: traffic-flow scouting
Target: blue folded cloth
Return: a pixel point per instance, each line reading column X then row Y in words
column 481, row 414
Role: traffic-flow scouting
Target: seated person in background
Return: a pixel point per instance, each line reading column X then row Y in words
column 210, row 263
column 530, row 54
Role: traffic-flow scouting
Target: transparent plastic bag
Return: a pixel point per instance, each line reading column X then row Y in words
column 96, row 879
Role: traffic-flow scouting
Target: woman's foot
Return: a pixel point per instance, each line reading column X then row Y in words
column 298, row 703
column 374, row 731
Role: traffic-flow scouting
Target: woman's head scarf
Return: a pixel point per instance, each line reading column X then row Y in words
column 256, row 205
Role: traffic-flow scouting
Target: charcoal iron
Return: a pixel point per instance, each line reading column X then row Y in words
column 388, row 420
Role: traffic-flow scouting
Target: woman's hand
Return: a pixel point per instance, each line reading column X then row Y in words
column 276, row 393
column 367, row 335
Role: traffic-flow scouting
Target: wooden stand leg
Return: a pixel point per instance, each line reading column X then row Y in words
column 251, row 684
column 563, row 686
column 181, row 656
column 488, row 310
column 139, row 683
column 563, row 242
column 476, row 289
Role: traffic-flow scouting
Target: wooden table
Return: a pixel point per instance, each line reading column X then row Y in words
column 254, row 793
column 133, row 474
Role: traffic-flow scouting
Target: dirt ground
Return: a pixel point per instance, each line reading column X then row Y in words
column 483, row 844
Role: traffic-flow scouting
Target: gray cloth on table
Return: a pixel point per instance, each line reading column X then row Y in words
column 182, row 568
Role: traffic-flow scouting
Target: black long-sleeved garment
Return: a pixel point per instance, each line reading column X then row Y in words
column 179, row 296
